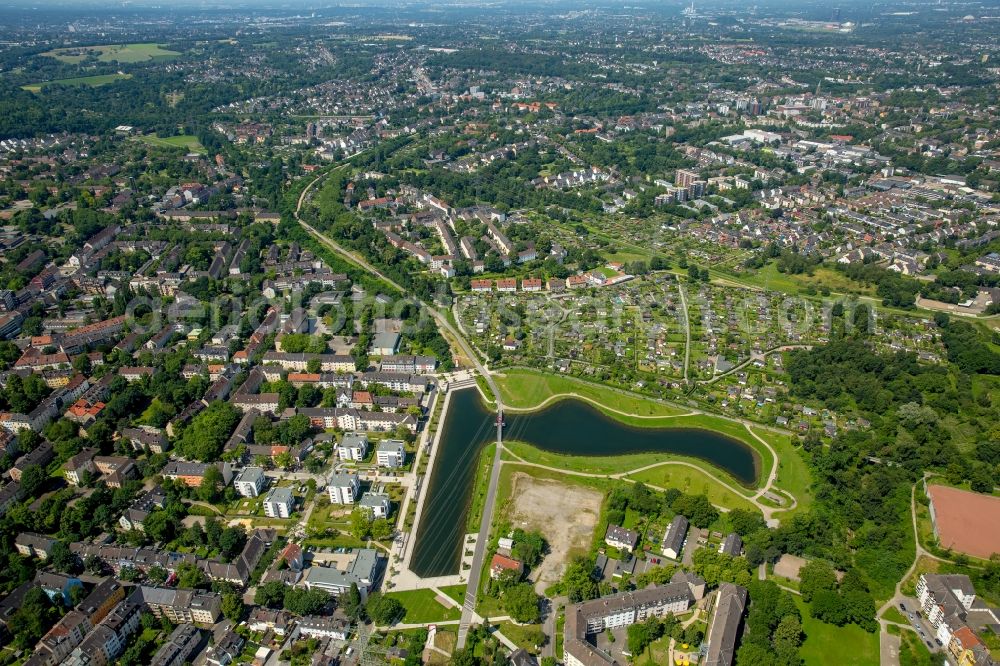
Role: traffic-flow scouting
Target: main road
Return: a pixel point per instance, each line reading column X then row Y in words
column 479, row 553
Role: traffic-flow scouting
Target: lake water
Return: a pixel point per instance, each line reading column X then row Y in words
column 569, row 427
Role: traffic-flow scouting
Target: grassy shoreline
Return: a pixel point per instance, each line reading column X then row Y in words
column 528, row 389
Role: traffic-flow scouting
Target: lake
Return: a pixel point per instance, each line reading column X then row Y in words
column 569, row 426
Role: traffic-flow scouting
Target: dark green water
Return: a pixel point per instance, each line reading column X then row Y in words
column 569, row 427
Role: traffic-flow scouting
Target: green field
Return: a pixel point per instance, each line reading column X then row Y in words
column 456, row 592
column 127, row 53
column 92, row 81
column 524, row 389
column 695, row 482
column 481, row 485
column 186, row 141
column 828, row 644
column 422, row 607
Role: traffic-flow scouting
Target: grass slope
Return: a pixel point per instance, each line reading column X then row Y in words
column 829, row 644
column 422, row 607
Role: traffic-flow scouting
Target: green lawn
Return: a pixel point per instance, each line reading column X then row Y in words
column 483, row 467
column 127, row 53
column 828, row 644
column 422, row 607
column 523, row 389
column 456, row 592
column 526, row 389
column 92, row 81
column 528, row 636
column 606, row 465
column 186, row 141
column 656, row 654
column 695, row 482
column 894, row 615
column 913, row 652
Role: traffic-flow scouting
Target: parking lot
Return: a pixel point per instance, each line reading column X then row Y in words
column 910, row 609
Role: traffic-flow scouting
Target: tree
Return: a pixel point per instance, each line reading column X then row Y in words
column 859, row 608
column 157, row 575
column 381, row 529
column 232, row 606
column 207, row 433
column 63, row 559
column 578, row 581
column 827, row 606
column 190, row 576
column 641, row 634
column 815, row 576
column 788, row 636
column 33, row 479
column 208, row 491
column 350, row 603
column 521, row 603
column 159, row 526
column 270, row 594
column 528, row 547
column 283, row 460
column 231, row 541
column 384, row 610
column 360, row 524
column 305, row 602
column 34, row 617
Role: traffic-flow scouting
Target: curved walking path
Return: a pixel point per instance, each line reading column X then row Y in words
column 623, row 476
column 571, row 395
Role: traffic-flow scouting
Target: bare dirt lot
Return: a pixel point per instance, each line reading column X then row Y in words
column 563, row 513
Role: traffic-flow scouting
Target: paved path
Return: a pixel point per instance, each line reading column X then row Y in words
column 687, row 329
column 753, row 357
column 888, row 649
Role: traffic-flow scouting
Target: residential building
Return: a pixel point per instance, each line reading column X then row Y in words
column 946, row 601
column 672, row 545
column 726, row 625
column 335, row 626
column 354, row 446
column 621, row 538
column 192, row 473
column 501, row 563
column 107, row 640
column 141, row 507
column 279, row 503
column 732, row 545
column 180, row 606
column 620, row 610
column 265, row 619
column 184, row 641
column 106, row 595
column 226, row 650
column 390, row 453
column 250, row 482
column 343, row 487
column 30, row 544
column 361, row 572
column 80, row 465
column 376, row 504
